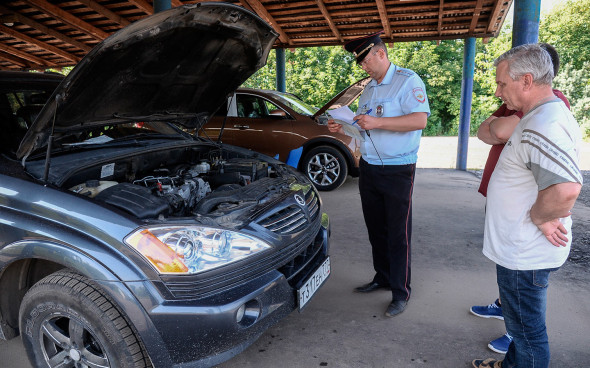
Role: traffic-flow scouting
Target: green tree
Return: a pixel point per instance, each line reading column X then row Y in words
column 567, row 27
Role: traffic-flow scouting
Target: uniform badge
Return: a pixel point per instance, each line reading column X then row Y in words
column 379, row 111
column 419, row 94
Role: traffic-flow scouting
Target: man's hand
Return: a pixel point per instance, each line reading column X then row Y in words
column 553, row 203
column 334, row 127
column 555, row 232
column 366, row 122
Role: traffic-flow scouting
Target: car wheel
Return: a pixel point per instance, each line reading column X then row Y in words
column 66, row 321
column 326, row 167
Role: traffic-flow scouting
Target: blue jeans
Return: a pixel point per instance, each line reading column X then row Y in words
column 524, row 301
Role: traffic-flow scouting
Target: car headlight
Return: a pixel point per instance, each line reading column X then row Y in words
column 192, row 249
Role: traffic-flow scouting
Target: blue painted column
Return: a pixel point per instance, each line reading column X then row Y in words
column 161, row 5
column 281, row 78
column 527, row 14
column 466, row 97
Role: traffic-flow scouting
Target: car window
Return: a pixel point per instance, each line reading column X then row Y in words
column 250, row 106
column 18, row 110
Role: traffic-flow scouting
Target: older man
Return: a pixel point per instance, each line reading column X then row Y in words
column 531, row 193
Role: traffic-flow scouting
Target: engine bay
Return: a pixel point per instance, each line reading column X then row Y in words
column 174, row 182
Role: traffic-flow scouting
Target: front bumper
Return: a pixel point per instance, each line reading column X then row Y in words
column 205, row 332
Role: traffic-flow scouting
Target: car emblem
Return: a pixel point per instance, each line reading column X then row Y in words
column 299, row 200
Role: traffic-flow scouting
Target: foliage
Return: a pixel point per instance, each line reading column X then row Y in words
column 575, row 85
column 317, row 74
column 567, row 27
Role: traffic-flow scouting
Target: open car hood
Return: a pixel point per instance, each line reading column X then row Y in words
column 173, row 65
column 346, row 97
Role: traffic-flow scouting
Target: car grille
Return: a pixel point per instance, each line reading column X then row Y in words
column 293, row 260
column 292, row 219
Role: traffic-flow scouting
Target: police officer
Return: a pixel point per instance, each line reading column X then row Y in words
column 392, row 112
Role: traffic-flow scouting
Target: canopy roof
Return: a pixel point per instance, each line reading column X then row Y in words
column 42, row 34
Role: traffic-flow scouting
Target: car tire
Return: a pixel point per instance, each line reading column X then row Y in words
column 65, row 320
column 326, row 167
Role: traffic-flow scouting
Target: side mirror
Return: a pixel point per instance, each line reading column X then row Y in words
column 322, row 119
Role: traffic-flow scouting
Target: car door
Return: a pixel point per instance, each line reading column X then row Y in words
column 259, row 124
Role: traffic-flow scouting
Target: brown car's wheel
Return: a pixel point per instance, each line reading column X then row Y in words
column 326, row 167
column 66, row 321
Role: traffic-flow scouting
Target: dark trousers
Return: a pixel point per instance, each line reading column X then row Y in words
column 386, row 196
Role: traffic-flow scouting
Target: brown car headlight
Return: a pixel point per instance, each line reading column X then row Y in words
column 192, row 249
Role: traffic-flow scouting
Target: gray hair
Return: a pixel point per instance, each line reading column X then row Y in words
column 528, row 59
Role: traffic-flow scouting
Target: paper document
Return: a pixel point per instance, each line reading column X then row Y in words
column 344, row 116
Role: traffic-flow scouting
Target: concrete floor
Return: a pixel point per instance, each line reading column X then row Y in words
column 343, row 329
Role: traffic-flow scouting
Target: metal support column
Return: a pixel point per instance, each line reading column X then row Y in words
column 466, row 97
column 161, row 5
column 527, row 14
column 281, row 79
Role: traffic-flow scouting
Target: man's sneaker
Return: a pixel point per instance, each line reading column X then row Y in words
column 500, row 345
column 493, row 310
column 487, row 363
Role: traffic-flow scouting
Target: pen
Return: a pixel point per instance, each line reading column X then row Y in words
column 367, row 113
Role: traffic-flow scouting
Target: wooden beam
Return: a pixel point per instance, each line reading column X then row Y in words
column 43, row 45
column 328, row 18
column 475, row 18
column 68, row 18
column 245, row 4
column 176, row 3
column 143, row 5
column 261, row 11
column 6, row 16
column 14, row 60
column 384, row 17
column 105, row 12
column 46, row 30
column 22, row 54
column 441, row 8
column 493, row 23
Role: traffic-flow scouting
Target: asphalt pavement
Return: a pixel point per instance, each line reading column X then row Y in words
column 343, row 329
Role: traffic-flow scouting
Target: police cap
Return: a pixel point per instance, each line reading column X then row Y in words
column 360, row 47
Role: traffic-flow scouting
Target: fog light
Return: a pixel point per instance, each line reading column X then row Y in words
column 248, row 313
column 240, row 313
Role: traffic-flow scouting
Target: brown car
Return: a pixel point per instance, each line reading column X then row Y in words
column 283, row 126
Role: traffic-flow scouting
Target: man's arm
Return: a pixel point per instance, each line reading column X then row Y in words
column 404, row 123
column 552, row 204
column 484, row 134
column 503, row 127
column 497, row 130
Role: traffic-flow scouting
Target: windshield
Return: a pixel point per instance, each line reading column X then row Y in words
column 295, row 103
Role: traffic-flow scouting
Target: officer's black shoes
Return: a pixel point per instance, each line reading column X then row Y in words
column 371, row 286
column 395, row 308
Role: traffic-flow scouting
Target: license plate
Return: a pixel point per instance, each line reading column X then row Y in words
column 313, row 283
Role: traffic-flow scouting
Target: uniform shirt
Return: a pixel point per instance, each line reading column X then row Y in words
column 543, row 150
column 401, row 92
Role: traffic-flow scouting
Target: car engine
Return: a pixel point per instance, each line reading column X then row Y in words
column 186, row 190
